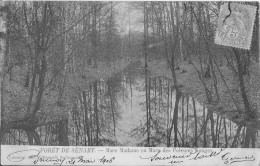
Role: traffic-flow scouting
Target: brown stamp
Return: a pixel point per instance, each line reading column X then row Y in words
column 235, row 25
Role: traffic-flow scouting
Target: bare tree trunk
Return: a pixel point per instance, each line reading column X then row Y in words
column 160, row 94
column 212, row 129
column 217, row 126
column 146, row 73
column 195, row 118
column 149, row 100
column 205, row 128
column 63, row 136
column 174, row 123
column 90, row 115
column 236, row 136
column 129, row 34
column 131, row 92
column 95, row 85
column 94, row 39
column 187, row 116
column 3, row 20
column 250, row 135
column 225, row 128
column 86, row 116
column 220, row 122
column 242, row 84
column 112, row 100
column 168, row 108
column 175, row 120
column 41, row 84
column 32, row 135
column 182, row 120
column 155, row 95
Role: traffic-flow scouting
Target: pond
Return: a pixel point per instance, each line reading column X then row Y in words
column 134, row 108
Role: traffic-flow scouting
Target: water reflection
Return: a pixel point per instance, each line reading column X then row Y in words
column 113, row 112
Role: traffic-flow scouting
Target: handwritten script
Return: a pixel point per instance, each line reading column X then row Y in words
column 37, row 158
column 82, row 155
column 227, row 157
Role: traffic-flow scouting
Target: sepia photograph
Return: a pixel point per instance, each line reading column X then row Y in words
column 130, row 73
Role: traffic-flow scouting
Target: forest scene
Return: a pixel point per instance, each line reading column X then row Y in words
column 136, row 73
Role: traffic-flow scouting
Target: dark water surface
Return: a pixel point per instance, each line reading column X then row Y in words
column 121, row 103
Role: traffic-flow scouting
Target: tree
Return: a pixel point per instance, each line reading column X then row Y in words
column 3, row 21
column 147, row 89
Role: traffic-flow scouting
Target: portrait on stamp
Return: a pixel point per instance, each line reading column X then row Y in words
column 235, row 25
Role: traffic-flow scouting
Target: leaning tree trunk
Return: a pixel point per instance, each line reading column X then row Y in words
column 242, row 83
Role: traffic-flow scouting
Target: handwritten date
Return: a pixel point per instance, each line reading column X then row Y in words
column 37, row 157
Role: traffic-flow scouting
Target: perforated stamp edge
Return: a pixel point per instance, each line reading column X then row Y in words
column 252, row 7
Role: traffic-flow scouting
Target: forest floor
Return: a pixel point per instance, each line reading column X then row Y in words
column 189, row 81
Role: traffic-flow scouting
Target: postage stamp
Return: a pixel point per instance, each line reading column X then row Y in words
column 235, row 25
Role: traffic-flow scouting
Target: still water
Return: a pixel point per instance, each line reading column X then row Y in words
column 121, row 103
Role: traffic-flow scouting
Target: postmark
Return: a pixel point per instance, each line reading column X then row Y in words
column 235, row 25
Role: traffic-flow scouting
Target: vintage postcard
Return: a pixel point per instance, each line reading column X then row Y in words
column 129, row 83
